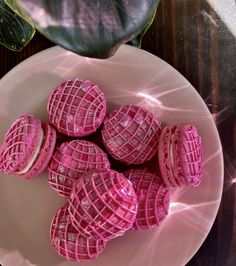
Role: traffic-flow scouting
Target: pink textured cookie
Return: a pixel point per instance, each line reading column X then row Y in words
column 103, row 204
column 69, row 243
column 180, row 156
column 70, row 160
column 27, row 148
column 77, row 108
column 153, row 198
column 131, row 134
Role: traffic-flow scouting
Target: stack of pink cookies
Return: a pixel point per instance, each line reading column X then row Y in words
column 102, row 203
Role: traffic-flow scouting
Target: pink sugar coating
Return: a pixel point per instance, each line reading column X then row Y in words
column 45, row 154
column 103, row 204
column 153, row 198
column 70, row 160
column 131, row 134
column 77, row 108
column 69, row 243
column 180, row 156
column 20, row 143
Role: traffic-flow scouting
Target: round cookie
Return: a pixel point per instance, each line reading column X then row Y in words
column 153, row 198
column 131, row 134
column 69, row 243
column 180, row 156
column 70, row 160
column 103, row 204
column 27, row 147
column 77, row 108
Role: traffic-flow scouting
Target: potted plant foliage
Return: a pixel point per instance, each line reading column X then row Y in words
column 93, row 28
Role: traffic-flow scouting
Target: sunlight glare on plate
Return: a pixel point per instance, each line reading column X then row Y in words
column 155, row 102
column 149, row 97
column 176, row 207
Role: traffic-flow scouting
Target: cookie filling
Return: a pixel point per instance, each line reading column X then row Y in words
column 35, row 155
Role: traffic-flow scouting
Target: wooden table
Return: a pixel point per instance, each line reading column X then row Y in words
column 197, row 37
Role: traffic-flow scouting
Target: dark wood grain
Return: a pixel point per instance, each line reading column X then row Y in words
column 191, row 36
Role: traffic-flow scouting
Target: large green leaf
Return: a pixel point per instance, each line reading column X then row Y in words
column 94, row 28
column 15, row 30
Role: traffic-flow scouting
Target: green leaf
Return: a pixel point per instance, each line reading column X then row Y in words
column 94, row 28
column 12, row 4
column 15, row 31
column 138, row 40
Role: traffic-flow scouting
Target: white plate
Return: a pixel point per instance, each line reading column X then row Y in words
column 131, row 76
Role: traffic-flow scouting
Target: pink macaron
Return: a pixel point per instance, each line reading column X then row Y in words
column 72, row 159
column 153, row 198
column 180, row 156
column 27, row 147
column 103, row 204
column 69, row 243
column 131, row 134
column 77, row 108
